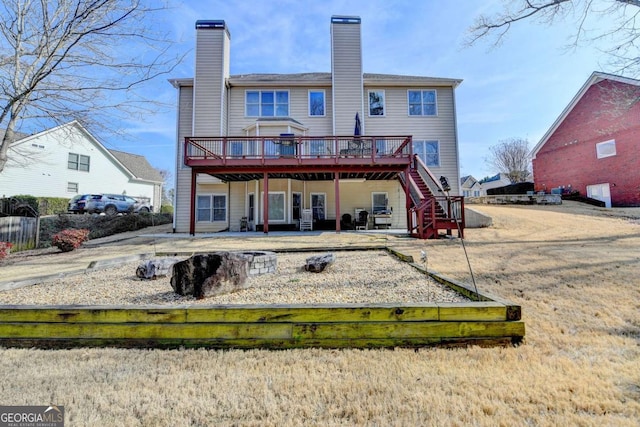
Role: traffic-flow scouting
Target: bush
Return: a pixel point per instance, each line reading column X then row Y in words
column 98, row 225
column 70, row 239
column 5, row 248
column 168, row 209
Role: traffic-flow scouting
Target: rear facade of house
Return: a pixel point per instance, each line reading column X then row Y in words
column 594, row 146
column 262, row 151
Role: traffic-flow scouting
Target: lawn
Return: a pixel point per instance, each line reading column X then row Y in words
column 574, row 269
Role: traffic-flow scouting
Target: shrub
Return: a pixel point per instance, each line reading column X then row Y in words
column 166, row 209
column 5, row 247
column 70, row 239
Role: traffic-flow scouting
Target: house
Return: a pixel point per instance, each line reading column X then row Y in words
column 67, row 160
column 594, row 146
column 470, row 186
column 259, row 150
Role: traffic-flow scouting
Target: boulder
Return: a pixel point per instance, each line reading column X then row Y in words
column 318, row 263
column 154, row 268
column 210, row 274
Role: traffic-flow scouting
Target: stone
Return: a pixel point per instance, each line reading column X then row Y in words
column 211, row 274
column 154, row 268
column 318, row 263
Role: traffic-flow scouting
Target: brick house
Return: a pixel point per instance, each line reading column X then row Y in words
column 269, row 151
column 594, row 146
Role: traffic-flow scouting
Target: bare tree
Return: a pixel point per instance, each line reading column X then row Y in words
column 76, row 59
column 622, row 37
column 511, row 157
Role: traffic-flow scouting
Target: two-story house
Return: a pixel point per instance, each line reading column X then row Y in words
column 594, row 145
column 269, row 150
column 67, row 160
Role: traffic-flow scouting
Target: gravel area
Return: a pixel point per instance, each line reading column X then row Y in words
column 355, row 277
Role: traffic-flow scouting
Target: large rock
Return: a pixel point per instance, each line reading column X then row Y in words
column 318, row 263
column 210, row 274
column 154, row 268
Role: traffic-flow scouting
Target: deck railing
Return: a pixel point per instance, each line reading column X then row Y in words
column 219, row 150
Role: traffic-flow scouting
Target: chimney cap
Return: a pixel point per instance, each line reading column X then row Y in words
column 210, row 23
column 336, row 19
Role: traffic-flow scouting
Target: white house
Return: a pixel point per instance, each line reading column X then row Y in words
column 67, row 160
column 263, row 148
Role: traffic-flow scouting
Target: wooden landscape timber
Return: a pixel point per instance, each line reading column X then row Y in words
column 484, row 321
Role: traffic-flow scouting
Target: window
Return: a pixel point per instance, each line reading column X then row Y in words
column 316, row 103
column 211, row 208
column 267, row 103
column 428, row 151
column 72, row 187
column 78, row 162
column 276, row 207
column 422, row 103
column 252, row 206
column 296, row 205
column 379, row 202
column 606, row 149
column 318, row 205
column 376, row 103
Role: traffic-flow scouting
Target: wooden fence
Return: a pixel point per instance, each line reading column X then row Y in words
column 20, row 231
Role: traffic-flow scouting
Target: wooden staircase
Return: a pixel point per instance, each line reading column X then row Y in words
column 431, row 209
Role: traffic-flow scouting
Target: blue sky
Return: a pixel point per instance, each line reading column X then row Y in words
column 515, row 90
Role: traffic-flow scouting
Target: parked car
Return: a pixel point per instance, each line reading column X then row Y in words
column 109, row 204
column 77, row 203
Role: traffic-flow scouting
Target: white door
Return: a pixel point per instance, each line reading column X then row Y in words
column 600, row 192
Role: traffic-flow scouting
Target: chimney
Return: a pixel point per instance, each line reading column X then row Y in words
column 211, row 71
column 346, row 73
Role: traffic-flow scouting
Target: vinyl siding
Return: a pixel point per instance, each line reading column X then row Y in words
column 298, row 110
column 47, row 173
column 441, row 127
column 346, row 64
column 211, row 48
column 352, row 195
column 183, row 173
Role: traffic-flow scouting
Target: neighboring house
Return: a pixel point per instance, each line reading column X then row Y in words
column 259, row 149
column 594, row 146
column 67, row 160
column 470, row 186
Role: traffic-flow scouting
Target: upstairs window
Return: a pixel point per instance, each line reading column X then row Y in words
column 267, row 103
column 428, row 151
column 316, row 103
column 606, row 149
column 78, row 162
column 376, row 103
column 422, row 103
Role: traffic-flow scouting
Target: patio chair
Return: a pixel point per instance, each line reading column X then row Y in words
column 306, row 220
column 346, row 222
column 361, row 220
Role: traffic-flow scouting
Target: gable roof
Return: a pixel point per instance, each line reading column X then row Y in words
column 137, row 165
column 595, row 78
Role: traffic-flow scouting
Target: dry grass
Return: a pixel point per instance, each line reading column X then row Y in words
column 574, row 270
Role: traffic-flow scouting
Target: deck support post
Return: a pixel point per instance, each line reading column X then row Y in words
column 265, row 203
column 192, row 207
column 336, row 181
column 407, row 193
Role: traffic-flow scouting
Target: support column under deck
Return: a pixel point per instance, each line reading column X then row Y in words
column 192, row 208
column 265, row 204
column 336, row 181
